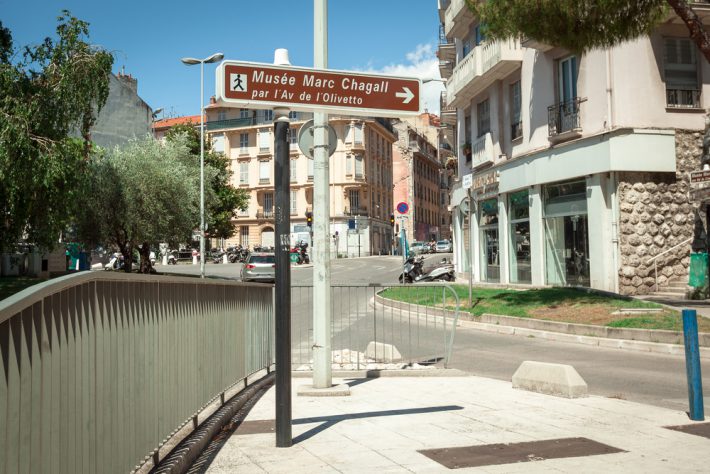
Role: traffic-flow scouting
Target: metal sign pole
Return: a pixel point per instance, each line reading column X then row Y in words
column 282, row 306
column 322, row 370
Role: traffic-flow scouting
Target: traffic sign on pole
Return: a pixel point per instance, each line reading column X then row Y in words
column 402, row 207
column 265, row 86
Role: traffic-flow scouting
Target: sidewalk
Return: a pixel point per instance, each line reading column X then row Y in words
column 386, row 422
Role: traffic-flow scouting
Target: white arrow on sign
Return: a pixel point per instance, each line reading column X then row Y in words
column 407, row 94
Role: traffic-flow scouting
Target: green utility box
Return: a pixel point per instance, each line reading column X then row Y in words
column 698, row 273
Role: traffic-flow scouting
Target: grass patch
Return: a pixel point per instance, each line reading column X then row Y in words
column 554, row 304
column 11, row 285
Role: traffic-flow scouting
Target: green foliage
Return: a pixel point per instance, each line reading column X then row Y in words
column 143, row 193
column 220, row 211
column 47, row 95
column 578, row 25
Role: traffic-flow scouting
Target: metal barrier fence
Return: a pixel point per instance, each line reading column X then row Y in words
column 419, row 320
column 99, row 369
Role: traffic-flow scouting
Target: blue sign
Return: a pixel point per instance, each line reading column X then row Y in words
column 402, row 207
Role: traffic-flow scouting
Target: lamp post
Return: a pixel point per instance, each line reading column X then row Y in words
column 190, row 62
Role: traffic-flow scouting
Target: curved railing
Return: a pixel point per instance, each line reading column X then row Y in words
column 99, row 369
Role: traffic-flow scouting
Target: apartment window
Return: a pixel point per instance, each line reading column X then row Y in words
column 268, row 204
column 264, row 174
column 293, row 136
column 294, row 196
column 479, row 34
column 292, row 115
column 483, row 115
column 244, row 143
column 358, row 166
column 310, row 169
column 244, row 172
column 222, row 115
column 244, row 236
column 354, row 196
column 357, row 130
column 568, row 79
column 243, row 113
column 292, row 170
column 218, row 142
column 681, row 73
column 268, row 115
column 516, row 120
column 264, row 139
column 349, row 165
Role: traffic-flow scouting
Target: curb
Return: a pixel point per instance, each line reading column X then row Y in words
column 511, row 325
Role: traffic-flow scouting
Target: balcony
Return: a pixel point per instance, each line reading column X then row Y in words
column 526, row 42
column 446, row 69
column 683, row 99
column 355, row 211
column 484, row 65
column 448, row 113
column 563, row 120
column 482, row 151
column 231, row 123
column 457, row 19
column 265, row 214
column 387, row 123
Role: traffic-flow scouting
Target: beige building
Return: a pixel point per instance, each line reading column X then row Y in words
column 580, row 163
column 417, row 173
column 360, row 177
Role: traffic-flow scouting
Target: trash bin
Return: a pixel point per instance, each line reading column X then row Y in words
column 697, row 274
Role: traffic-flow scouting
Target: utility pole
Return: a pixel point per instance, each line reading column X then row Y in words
column 322, row 370
column 282, row 300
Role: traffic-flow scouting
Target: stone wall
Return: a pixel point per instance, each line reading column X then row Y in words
column 656, row 213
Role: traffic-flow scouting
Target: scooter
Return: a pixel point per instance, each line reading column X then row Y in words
column 412, row 269
column 116, row 262
column 444, row 272
column 172, row 258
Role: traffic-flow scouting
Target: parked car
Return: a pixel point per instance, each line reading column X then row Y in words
column 259, row 266
column 443, row 246
column 417, row 248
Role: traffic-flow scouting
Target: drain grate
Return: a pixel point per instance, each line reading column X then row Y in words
column 507, row 453
column 698, row 429
column 256, row 427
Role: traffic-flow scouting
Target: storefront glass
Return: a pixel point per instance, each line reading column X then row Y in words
column 488, row 225
column 519, row 212
column 566, row 234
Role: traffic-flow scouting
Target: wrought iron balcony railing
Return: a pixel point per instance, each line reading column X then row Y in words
column 564, row 117
column 355, row 211
column 683, row 99
column 231, row 123
column 269, row 214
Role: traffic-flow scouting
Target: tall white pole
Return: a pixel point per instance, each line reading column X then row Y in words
column 322, row 373
column 202, row 170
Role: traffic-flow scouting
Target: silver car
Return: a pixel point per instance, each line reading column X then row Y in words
column 443, row 246
column 259, row 267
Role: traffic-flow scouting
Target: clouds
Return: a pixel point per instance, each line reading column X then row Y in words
column 422, row 63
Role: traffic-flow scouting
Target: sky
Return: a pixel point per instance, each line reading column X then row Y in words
column 148, row 38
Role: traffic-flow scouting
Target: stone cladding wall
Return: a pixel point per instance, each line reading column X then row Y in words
column 656, row 213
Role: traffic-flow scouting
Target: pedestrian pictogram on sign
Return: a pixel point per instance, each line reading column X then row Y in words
column 254, row 85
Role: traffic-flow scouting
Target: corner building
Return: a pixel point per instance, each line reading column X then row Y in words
column 580, row 164
column 360, row 179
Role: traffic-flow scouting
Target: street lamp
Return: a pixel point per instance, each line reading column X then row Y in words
column 190, row 62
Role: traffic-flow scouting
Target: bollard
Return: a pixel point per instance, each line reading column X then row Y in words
column 692, row 365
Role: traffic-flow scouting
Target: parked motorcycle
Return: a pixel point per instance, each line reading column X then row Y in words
column 301, row 250
column 172, row 257
column 413, row 271
column 115, row 263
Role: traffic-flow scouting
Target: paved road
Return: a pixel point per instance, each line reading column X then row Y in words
column 643, row 377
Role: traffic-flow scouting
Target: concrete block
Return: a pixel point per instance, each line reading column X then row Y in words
column 381, row 352
column 552, row 379
column 307, row 390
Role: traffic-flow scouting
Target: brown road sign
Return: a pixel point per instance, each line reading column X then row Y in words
column 253, row 85
column 700, row 176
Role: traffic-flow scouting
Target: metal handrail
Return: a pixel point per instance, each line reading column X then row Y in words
column 655, row 264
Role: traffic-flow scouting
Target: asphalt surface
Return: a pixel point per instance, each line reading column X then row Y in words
column 655, row 379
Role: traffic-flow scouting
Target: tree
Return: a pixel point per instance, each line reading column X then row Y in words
column 582, row 25
column 140, row 195
column 49, row 99
column 219, row 212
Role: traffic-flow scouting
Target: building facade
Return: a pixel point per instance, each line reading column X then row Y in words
column 579, row 164
column 124, row 116
column 418, row 179
column 360, row 179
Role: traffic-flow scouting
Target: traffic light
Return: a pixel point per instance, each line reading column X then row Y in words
column 309, row 219
column 392, row 220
